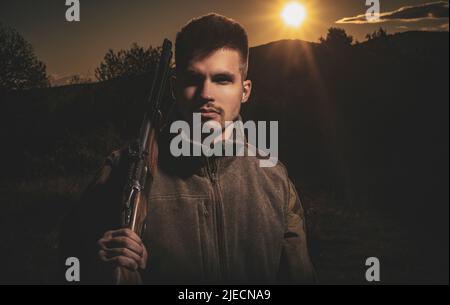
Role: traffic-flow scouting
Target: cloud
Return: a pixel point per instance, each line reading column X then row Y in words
column 442, row 27
column 431, row 10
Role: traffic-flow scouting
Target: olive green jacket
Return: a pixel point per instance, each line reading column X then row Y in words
column 210, row 221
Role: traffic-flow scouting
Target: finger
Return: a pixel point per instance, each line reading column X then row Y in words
column 102, row 254
column 102, row 242
column 106, row 237
column 123, row 252
column 118, row 260
column 107, row 256
column 128, row 233
column 125, row 242
column 123, row 261
column 108, row 234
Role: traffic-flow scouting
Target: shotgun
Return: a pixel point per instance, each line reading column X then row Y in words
column 143, row 156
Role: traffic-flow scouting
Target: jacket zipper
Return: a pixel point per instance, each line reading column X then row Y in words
column 217, row 198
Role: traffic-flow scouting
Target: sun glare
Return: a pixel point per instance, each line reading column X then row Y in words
column 294, row 14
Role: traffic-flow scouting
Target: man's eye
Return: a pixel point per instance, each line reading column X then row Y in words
column 223, row 80
column 192, row 80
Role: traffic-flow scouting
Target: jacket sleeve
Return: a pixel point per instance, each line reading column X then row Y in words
column 295, row 264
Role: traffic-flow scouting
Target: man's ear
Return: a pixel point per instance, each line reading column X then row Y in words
column 247, row 86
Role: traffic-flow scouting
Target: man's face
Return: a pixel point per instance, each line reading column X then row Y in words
column 213, row 86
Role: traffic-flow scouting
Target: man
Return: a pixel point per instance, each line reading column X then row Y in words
column 210, row 219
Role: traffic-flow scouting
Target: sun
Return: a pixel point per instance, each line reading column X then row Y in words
column 294, row 14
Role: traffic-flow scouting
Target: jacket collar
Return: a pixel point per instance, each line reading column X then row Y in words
column 188, row 165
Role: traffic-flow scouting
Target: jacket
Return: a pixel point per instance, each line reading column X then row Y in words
column 211, row 220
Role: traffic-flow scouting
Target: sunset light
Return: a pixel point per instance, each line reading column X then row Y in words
column 294, row 14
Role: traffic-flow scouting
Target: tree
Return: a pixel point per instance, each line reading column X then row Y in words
column 19, row 66
column 336, row 38
column 378, row 34
column 135, row 61
column 79, row 79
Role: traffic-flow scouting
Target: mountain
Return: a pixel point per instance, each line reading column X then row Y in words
column 57, row 81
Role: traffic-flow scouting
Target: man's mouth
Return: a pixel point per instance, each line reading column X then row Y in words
column 208, row 113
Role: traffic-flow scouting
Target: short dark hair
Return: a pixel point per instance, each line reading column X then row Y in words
column 208, row 33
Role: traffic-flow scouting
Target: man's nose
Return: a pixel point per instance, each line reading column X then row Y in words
column 206, row 92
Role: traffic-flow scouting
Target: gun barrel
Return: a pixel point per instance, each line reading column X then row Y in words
column 156, row 93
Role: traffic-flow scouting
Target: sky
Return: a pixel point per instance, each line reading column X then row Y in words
column 69, row 48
